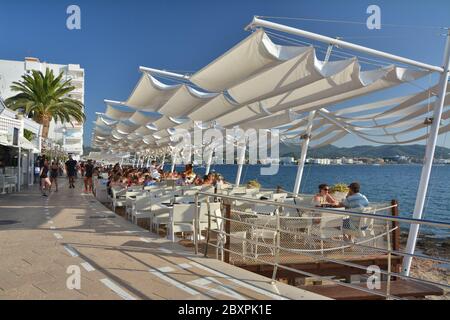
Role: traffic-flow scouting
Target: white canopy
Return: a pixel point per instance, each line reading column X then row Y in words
column 262, row 85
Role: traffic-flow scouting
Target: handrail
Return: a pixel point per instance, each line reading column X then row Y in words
column 277, row 247
column 333, row 211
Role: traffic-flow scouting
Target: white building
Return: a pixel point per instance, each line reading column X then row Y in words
column 347, row 161
column 287, row 160
column 17, row 154
column 336, row 161
column 68, row 135
column 322, row 162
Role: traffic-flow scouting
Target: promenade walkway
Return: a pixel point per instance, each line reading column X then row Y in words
column 44, row 242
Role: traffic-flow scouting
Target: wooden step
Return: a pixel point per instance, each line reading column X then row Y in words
column 399, row 288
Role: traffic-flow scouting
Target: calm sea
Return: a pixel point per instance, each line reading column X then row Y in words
column 378, row 183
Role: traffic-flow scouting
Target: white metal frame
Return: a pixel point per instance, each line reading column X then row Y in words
column 437, row 112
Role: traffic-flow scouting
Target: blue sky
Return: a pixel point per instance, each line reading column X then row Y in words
column 119, row 36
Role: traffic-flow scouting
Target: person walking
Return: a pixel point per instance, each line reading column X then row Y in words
column 88, row 173
column 54, row 171
column 71, row 169
column 45, row 181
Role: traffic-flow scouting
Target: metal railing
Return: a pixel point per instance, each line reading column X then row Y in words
column 247, row 238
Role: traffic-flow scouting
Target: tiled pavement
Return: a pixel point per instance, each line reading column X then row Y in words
column 46, row 242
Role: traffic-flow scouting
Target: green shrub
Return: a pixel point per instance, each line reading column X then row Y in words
column 253, row 184
column 339, row 187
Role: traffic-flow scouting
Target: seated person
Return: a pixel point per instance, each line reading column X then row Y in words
column 198, row 181
column 189, row 174
column 208, row 180
column 323, row 198
column 355, row 201
column 155, row 174
column 149, row 181
column 220, row 182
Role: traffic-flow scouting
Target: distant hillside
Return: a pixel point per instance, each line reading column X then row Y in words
column 386, row 151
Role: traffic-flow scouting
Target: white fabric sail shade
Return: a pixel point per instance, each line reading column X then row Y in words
column 262, row 85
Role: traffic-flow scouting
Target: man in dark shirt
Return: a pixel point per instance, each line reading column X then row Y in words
column 71, row 169
column 88, row 172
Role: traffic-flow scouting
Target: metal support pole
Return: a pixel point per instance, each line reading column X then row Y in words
column 19, row 168
column 208, row 163
column 302, row 160
column 164, row 73
column 197, row 224
column 163, row 162
column 429, row 157
column 19, row 160
column 226, row 255
column 241, row 160
column 174, row 160
column 257, row 22
column 328, row 55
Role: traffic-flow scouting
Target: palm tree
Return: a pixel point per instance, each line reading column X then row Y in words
column 45, row 98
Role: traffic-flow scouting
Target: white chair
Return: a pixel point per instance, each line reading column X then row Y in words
column 237, row 191
column 265, row 209
column 252, row 191
column 141, row 208
column 215, row 210
column 159, row 212
column 263, row 233
column 300, row 226
column 278, row 197
column 118, row 197
column 182, row 219
column 11, row 182
column 239, row 238
column 329, row 228
column 191, row 190
column 184, row 199
column 361, row 227
column 3, row 184
column 263, row 238
column 130, row 198
column 236, row 238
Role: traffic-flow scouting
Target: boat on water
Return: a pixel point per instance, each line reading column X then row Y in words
column 280, row 234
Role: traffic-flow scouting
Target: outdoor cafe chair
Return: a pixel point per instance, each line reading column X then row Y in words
column 118, row 197
column 182, row 219
column 215, row 210
column 329, row 228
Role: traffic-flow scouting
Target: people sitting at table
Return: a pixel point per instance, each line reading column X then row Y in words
column 324, row 198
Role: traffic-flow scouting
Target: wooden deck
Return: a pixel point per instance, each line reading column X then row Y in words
column 399, row 288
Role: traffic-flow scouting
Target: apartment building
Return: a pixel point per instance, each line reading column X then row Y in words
column 69, row 136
